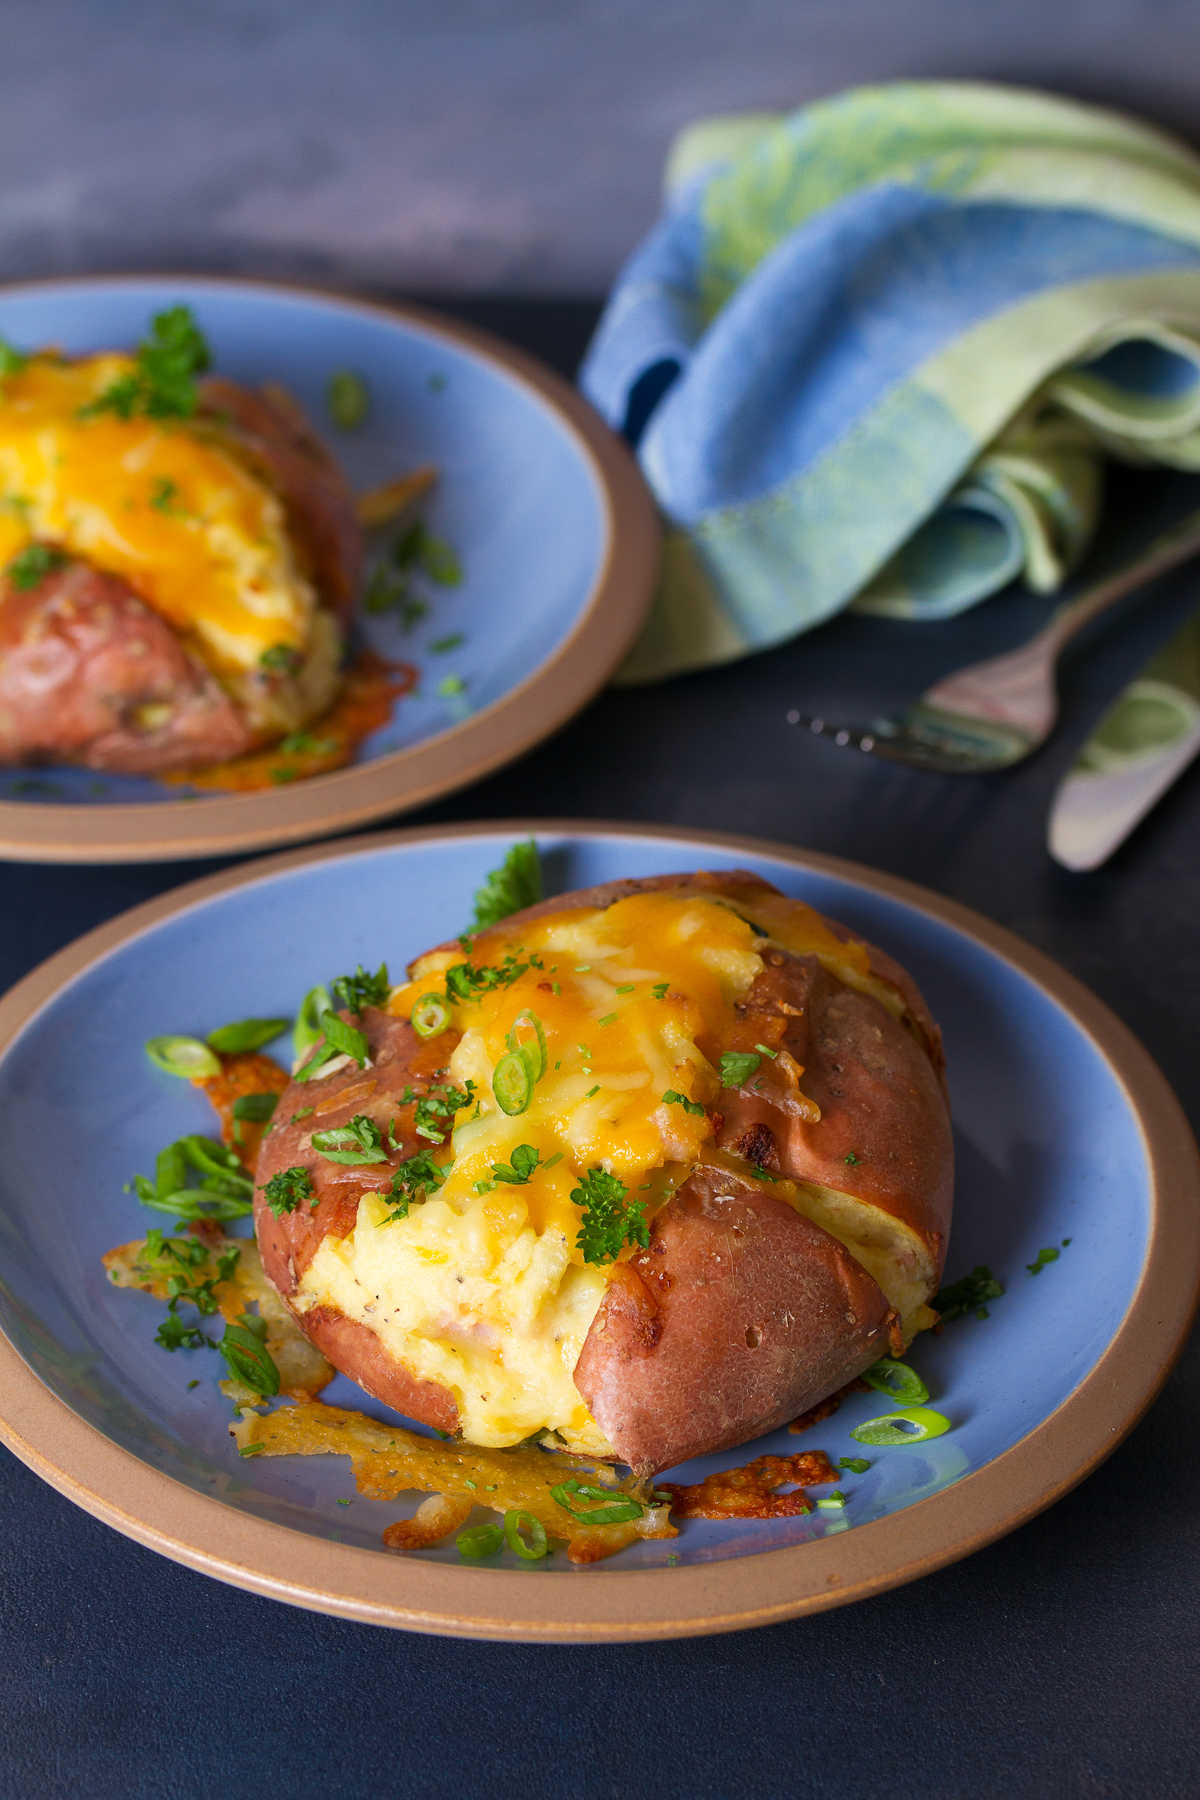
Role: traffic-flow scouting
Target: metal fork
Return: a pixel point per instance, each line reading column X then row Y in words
column 992, row 714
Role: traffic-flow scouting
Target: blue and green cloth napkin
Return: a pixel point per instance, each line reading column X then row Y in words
column 875, row 353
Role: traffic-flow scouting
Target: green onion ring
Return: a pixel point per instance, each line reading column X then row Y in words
column 478, row 1541
column 897, row 1381
column 535, row 1546
column 535, row 1053
column 187, row 1057
column 512, row 1083
column 430, row 1016
column 889, row 1430
column 307, row 1029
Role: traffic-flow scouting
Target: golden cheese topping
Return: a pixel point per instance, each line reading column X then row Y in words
column 484, row 1286
column 162, row 503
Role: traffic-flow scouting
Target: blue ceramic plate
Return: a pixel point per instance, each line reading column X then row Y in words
column 554, row 530
column 1068, row 1139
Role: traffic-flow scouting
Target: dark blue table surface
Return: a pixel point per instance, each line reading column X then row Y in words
column 1060, row 1661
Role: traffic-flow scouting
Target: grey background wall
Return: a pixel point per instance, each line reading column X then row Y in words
column 461, row 145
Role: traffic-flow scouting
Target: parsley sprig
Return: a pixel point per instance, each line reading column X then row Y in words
column 32, row 564
column 362, row 988
column 517, row 883
column 287, row 1188
column 414, row 1180
column 358, row 1142
column 610, row 1218
column 162, row 383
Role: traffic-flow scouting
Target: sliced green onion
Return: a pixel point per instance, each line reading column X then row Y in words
column 910, row 1425
column 897, row 1380
column 618, row 1508
column 198, row 1203
column 832, row 1502
column 512, row 1083
column 187, row 1057
column 258, row 1108
column 478, row 1541
column 349, row 401
column 531, row 1548
column 307, row 1029
column 534, row 1053
column 246, row 1034
column 212, row 1158
column 430, row 1015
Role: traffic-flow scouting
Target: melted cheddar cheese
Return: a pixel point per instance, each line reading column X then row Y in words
column 483, row 1287
column 165, row 504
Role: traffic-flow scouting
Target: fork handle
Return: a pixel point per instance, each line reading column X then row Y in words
column 1164, row 552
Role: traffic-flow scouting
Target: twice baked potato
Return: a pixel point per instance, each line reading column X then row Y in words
column 653, row 1167
column 178, row 556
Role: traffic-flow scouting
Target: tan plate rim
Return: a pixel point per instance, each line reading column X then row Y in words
column 597, row 1604
column 554, row 692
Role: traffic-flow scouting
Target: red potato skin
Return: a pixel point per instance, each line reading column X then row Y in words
column 741, row 1313
column 739, row 1316
column 288, row 1243
column 80, row 653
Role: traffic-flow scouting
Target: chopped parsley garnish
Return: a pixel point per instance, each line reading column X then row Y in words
column 163, row 494
column 303, row 743
column 525, row 1159
column 673, row 1097
column 349, row 400
column 450, row 686
column 451, row 641
column 517, row 883
column 247, row 1356
column 660, row 990
column 737, row 1066
column 162, row 383
column 763, row 1173
column 361, row 1141
column 436, row 1109
column 283, row 658
column 610, row 1218
column 288, row 1188
column 414, row 1180
column 438, row 560
column 362, row 989
column 857, row 1465
column 174, row 1334
column 1049, row 1255
column 12, row 360
column 386, row 592
column 968, row 1294
column 466, row 981
column 852, row 1157
column 32, row 565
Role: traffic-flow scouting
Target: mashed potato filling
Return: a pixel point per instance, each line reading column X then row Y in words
column 483, row 1287
column 162, row 503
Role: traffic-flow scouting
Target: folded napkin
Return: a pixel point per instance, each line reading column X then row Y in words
column 875, row 353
